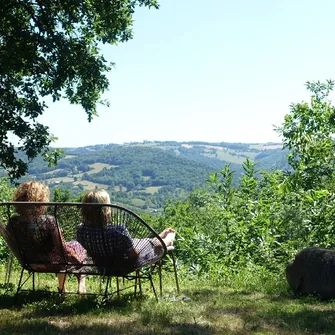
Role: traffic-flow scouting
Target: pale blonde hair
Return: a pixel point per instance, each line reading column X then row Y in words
column 95, row 216
column 31, row 191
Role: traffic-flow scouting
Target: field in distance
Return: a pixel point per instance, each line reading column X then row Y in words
column 144, row 175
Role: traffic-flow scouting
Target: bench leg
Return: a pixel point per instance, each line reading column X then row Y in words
column 117, row 287
column 9, row 268
column 106, row 289
column 139, row 283
column 160, row 264
column 33, row 278
column 136, row 283
column 160, row 277
column 153, row 287
column 175, row 271
column 19, row 286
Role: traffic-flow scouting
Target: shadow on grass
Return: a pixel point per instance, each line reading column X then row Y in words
column 282, row 314
column 216, row 293
column 43, row 312
column 43, row 327
column 44, row 303
column 313, row 321
column 255, row 312
column 46, row 313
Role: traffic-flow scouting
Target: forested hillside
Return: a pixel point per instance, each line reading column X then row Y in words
column 144, row 175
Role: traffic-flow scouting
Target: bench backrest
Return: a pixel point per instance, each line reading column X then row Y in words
column 39, row 242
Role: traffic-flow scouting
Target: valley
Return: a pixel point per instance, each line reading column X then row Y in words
column 144, row 175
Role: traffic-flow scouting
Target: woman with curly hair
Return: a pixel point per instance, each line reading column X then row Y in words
column 39, row 235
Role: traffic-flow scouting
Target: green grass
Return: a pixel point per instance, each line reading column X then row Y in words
column 228, row 157
column 88, row 185
column 119, row 189
column 239, row 156
column 60, row 179
column 152, row 189
column 97, row 167
column 137, row 202
column 51, row 172
column 213, row 308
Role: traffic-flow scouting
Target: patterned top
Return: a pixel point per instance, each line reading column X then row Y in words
column 41, row 242
column 111, row 244
column 113, row 247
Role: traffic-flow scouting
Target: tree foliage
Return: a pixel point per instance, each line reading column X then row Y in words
column 263, row 221
column 307, row 132
column 51, row 49
column 6, row 194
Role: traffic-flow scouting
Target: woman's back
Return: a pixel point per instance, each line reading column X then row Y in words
column 37, row 237
column 109, row 246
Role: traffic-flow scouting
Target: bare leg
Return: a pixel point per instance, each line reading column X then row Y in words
column 61, row 282
column 81, row 284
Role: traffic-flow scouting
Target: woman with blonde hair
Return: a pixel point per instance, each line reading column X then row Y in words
column 39, row 235
column 91, row 217
column 99, row 237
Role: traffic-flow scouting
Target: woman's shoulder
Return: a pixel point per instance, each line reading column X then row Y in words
column 18, row 217
column 83, row 229
column 84, row 226
column 41, row 223
column 118, row 230
column 45, row 219
column 116, row 227
column 109, row 228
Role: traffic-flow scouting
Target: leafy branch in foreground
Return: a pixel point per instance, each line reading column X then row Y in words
column 51, row 49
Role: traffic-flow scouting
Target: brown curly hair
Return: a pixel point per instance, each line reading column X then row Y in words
column 93, row 216
column 31, row 191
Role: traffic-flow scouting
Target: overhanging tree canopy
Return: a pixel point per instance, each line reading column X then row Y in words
column 50, row 48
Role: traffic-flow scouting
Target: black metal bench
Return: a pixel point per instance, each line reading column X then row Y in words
column 113, row 263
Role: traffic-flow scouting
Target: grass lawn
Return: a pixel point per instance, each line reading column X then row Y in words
column 119, row 189
column 88, row 185
column 153, row 189
column 137, row 202
column 228, row 157
column 97, row 167
column 60, row 179
column 211, row 309
column 51, row 172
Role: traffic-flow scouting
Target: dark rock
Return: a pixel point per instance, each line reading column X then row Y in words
column 313, row 272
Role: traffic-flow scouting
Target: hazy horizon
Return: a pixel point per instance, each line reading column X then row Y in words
column 162, row 141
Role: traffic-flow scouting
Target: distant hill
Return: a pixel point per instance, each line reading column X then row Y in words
column 144, row 175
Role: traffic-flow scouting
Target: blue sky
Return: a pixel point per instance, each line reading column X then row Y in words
column 211, row 71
